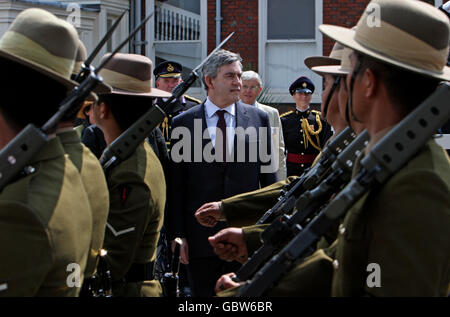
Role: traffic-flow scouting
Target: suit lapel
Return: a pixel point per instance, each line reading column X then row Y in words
column 200, row 114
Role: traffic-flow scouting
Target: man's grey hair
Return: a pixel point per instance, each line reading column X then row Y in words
column 249, row 75
column 217, row 60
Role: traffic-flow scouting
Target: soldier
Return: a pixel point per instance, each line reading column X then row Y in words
column 136, row 185
column 45, row 216
column 303, row 130
column 167, row 77
column 92, row 177
column 401, row 226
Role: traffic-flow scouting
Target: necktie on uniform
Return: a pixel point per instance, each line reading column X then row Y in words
column 222, row 126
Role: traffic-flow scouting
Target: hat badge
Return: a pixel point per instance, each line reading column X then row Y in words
column 304, row 85
column 170, row 68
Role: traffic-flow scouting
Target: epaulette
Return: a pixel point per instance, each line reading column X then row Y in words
column 286, row 114
column 316, row 112
column 192, row 99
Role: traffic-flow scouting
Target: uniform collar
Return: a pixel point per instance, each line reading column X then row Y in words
column 304, row 111
column 51, row 150
column 68, row 136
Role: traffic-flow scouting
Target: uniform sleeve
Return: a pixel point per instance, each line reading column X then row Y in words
column 26, row 251
column 246, row 209
column 252, row 237
column 130, row 205
column 411, row 237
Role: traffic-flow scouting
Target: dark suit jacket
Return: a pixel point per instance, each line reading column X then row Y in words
column 196, row 183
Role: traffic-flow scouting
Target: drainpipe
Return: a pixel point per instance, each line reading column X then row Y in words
column 137, row 21
column 218, row 22
column 132, row 24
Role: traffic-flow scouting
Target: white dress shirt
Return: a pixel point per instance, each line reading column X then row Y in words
column 212, row 118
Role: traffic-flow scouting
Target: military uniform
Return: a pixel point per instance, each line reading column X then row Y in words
column 45, row 226
column 137, row 198
column 404, row 227
column 304, row 133
column 94, row 183
column 182, row 104
column 171, row 69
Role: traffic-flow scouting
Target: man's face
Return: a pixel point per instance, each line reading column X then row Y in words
column 95, row 117
column 333, row 109
column 167, row 84
column 227, row 84
column 250, row 91
column 356, row 95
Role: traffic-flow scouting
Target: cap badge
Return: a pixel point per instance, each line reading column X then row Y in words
column 170, row 68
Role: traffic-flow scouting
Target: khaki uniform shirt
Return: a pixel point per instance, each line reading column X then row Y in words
column 137, row 191
column 395, row 241
column 94, row 182
column 45, row 228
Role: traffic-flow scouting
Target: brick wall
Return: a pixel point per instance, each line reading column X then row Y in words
column 344, row 13
column 242, row 18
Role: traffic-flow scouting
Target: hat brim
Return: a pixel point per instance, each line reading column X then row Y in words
column 303, row 90
column 346, row 36
column 70, row 84
column 329, row 70
column 314, row 61
column 154, row 93
column 170, row 75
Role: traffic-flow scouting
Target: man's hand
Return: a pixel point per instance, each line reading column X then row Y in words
column 225, row 282
column 184, row 251
column 209, row 214
column 229, row 245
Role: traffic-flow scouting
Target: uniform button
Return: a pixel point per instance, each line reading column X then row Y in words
column 302, row 165
column 301, row 142
column 170, row 116
column 303, row 153
column 341, row 229
column 301, row 130
column 336, row 264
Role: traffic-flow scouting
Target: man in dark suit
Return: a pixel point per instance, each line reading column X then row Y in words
column 212, row 160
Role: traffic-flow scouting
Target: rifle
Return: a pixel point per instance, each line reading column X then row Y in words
column 100, row 284
column 285, row 227
column 388, row 156
column 24, row 146
column 310, row 178
column 86, row 67
column 122, row 147
column 170, row 280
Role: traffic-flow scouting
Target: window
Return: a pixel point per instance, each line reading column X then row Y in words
column 291, row 19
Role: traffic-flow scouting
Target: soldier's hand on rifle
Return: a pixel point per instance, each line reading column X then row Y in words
column 225, row 282
column 184, row 251
column 209, row 214
column 229, row 245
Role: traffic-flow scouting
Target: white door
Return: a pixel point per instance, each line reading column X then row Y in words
column 288, row 33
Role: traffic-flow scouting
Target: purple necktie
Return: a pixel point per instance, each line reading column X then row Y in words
column 223, row 127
